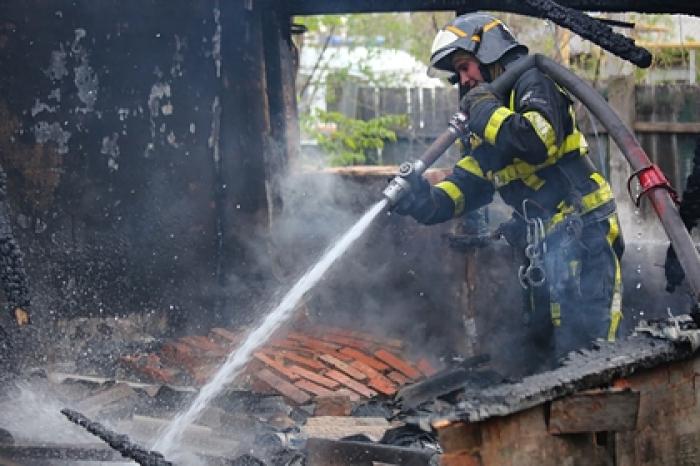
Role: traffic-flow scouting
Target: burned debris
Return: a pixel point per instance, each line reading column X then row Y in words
column 120, row 443
column 155, row 179
column 594, row 30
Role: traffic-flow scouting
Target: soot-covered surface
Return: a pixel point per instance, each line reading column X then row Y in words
column 483, row 395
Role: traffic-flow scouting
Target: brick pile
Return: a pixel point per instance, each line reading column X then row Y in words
column 301, row 365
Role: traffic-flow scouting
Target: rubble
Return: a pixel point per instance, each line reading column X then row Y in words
column 300, row 364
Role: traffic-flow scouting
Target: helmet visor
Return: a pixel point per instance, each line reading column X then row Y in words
column 440, row 67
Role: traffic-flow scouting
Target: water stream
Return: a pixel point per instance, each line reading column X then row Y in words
column 237, row 359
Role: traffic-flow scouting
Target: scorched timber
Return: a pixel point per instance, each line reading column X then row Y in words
column 309, row 7
column 583, row 370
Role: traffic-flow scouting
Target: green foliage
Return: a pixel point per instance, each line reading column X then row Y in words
column 352, row 141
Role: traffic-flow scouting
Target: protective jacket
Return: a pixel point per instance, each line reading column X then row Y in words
column 527, row 148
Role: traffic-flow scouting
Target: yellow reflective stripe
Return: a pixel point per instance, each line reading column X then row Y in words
column 616, row 305
column 456, row 30
column 512, row 100
column 589, row 202
column 470, row 164
column 495, row 122
column 520, row 169
column 533, row 182
column 555, row 312
column 453, row 191
column 544, row 130
column 492, row 25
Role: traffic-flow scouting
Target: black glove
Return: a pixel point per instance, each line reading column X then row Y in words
column 479, row 104
column 514, row 231
column 417, row 202
column 673, row 270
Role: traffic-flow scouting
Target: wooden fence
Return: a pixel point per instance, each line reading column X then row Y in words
column 667, row 122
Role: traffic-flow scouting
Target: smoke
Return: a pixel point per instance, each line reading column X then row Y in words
column 397, row 281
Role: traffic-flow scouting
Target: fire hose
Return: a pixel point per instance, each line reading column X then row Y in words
column 652, row 181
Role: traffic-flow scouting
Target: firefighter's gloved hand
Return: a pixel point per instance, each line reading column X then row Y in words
column 673, row 270
column 416, row 202
column 514, row 231
column 478, row 96
column 21, row 316
column 479, row 104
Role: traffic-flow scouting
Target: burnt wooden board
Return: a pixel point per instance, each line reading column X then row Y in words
column 594, row 411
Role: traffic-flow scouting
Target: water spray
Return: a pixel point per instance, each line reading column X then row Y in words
column 650, row 177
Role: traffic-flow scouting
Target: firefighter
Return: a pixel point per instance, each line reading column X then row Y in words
column 525, row 146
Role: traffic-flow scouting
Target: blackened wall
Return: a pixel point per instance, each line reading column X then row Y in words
column 136, row 139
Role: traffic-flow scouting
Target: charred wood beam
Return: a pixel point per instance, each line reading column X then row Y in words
column 12, row 273
column 315, row 7
column 119, row 442
column 325, row 452
column 57, row 452
column 596, row 31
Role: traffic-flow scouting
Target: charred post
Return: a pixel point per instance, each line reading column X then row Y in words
column 119, row 442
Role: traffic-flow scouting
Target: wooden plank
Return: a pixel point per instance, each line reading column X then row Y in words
column 393, row 100
column 397, row 363
column 340, row 365
column 595, row 411
column 282, row 387
column 366, row 103
column 666, row 127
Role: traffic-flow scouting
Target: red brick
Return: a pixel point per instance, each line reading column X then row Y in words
column 202, row 374
column 349, row 393
column 179, row 354
column 313, row 377
column 205, row 346
column 340, row 365
column 312, row 388
column 284, row 344
column 397, row 363
column 282, row 387
column 333, row 405
column 226, row 337
column 365, row 358
column 309, row 363
column 376, row 380
column 350, row 383
column 150, row 366
column 276, row 365
column 393, row 342
column 426, row 367
column 347, row 341
column 398, row 377
column 310, row 342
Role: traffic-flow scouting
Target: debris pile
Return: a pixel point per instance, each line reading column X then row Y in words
column 303, row 365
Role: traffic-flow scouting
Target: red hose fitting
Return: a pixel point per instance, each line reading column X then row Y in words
column 650, row 178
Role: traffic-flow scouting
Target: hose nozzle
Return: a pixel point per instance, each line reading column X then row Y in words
column 401, row 183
